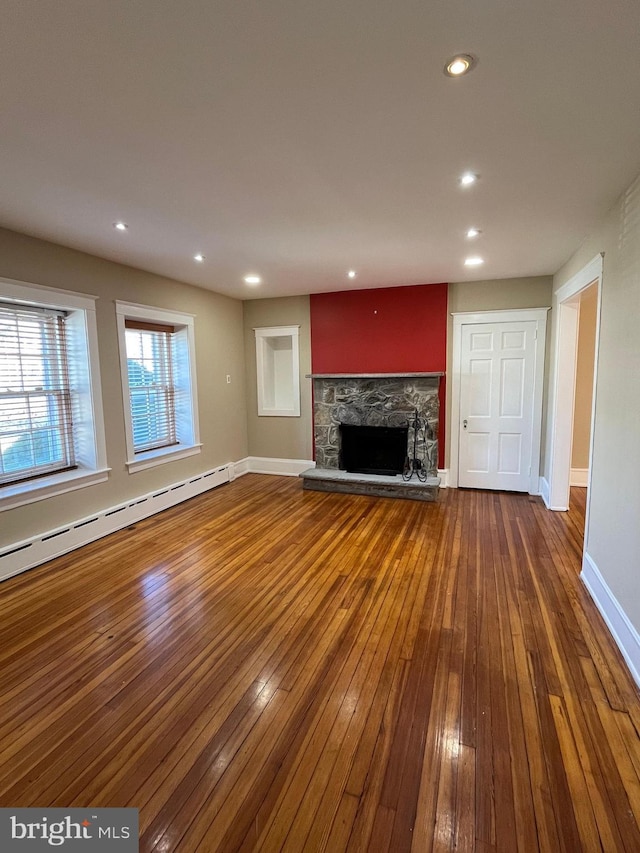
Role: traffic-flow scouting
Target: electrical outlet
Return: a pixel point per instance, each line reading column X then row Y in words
column 228, row 379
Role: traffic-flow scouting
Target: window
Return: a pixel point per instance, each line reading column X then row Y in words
column 36, row 427
column 158, row 378
column 151, row 389
column 51, row 430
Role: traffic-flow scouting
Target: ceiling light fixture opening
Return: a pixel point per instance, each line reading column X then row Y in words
column 120, row 226
column 468, row 179
column 473, row 233
column 352, row 273
column 199, row 257
column 460, row 65
column 473, row 262
column 252, row 279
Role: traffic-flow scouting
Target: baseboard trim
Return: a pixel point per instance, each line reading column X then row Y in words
column 545, row 493
column 579, row 477
column 625, row 635
column 240, row 468
column 32, row 552
column 443, row 473
column 280, row 467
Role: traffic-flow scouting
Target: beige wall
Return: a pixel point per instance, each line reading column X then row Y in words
column 500, row 294
column 496, row 295
column 584, row 378
column 613, row 536
column 219, row 351
column 280, row 438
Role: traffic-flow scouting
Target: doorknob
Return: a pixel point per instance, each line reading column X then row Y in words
column 464, row 423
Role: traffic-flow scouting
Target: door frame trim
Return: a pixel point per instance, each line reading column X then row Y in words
column 464, row 318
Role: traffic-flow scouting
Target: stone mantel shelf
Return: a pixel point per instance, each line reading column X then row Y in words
column 372, row 375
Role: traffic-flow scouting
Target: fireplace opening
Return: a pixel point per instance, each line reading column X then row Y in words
column 373, row 449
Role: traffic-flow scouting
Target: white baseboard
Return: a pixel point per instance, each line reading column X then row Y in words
column 443, row 473
column 24, row 555
column 579, row 477
column 545, row 494
column 241, row 467
column 281, row 467
column 623, row 632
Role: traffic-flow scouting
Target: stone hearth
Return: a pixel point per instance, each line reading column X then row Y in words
column 381, row 486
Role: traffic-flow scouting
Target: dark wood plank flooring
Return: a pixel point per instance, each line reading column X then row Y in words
column 263, row 668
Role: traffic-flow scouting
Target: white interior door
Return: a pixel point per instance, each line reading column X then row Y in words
column 497, row 375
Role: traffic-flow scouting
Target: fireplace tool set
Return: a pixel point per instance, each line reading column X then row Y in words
column 412, row 464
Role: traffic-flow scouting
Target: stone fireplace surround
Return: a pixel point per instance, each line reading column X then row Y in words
column 375, row 400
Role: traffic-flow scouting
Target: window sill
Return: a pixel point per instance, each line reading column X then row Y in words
column 151, row 458
column 49, row 487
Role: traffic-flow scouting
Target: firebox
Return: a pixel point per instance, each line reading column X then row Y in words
column 373, row 449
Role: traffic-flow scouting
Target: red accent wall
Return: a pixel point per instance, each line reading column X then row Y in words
column 389, row 329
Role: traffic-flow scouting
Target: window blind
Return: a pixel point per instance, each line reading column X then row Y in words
column 151, row 385
column 36, row 429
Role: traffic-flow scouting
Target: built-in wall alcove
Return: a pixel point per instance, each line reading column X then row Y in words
column 278, row 372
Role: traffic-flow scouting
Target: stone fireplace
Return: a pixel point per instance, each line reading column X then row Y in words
column 375, row 400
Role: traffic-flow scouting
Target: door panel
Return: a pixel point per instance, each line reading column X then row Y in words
column 481, row 342
column 496, row 405
column 479, row 403
column 512, row 387
column 509, row 453
column 512, row 340
column 478, row 452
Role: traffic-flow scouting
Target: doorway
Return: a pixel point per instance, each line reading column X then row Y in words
column 583, row 403
column 562, row 394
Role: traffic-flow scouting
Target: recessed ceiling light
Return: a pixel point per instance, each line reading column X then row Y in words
column 473, row 262
column 252, row 279
column 199, row 258
column 352, row 273
column 120, row 226
column 473, row 232
column 460, row 65
column 468, row 179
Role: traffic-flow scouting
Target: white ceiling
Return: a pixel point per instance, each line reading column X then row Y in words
column 300, row 138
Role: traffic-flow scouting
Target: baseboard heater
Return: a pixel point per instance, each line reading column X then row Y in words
column 53, row 543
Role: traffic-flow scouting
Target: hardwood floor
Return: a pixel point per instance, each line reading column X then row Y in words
column 263, row 668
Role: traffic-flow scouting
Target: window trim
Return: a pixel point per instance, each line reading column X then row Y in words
column 183, row 322
column 92, row 460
